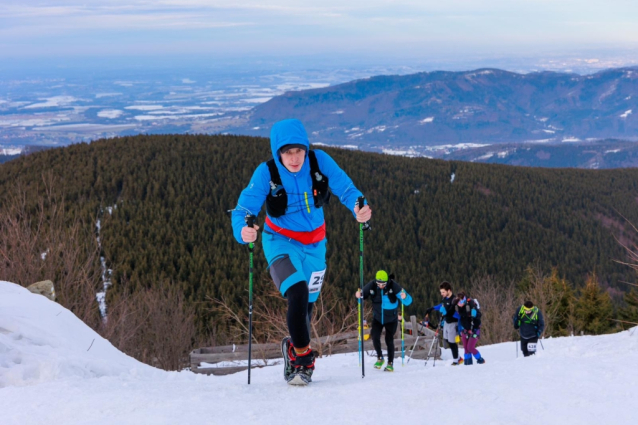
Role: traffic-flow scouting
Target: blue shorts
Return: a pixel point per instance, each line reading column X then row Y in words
column 290, row 262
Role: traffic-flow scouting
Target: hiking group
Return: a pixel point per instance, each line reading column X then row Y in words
column 295, row 185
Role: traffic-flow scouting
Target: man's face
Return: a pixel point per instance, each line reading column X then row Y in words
column 293, row 159
column 445, row 293
column 381, row 284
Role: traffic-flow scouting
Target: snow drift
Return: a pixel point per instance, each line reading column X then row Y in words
column 40, row 341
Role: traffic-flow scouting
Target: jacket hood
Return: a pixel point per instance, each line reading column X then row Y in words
column 287, row 132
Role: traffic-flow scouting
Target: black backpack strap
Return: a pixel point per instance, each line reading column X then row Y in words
column 320, row 187
column 274, row 173
column 277, row 199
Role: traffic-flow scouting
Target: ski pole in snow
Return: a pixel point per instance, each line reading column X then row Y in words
column 250, row 222
column 541, row 341
column 516, row 343
column 436, row 338
column 415, row 343
column 362, row 227
column 402, row 336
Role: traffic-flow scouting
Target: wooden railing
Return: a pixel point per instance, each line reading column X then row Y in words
column 219, row 360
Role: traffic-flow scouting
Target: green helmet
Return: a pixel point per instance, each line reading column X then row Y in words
column 382, row 276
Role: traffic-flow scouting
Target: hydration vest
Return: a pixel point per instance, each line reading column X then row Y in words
column 468, row 308
column 522, row 317
column 277, row 199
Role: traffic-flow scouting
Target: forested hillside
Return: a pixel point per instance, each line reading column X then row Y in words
column 432, row 219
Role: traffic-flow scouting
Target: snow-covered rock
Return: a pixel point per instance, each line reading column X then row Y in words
column 45, row 288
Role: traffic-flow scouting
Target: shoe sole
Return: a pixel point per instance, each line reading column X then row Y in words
column 284, row 353
column 298, row 380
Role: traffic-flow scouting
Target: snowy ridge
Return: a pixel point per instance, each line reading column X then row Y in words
column 41, row 341
column 48, row 376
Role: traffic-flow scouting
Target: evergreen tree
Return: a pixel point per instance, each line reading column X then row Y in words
column 594, row 308
column 629, row 313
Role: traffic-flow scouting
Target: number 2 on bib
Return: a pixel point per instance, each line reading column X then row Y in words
column 316, row 280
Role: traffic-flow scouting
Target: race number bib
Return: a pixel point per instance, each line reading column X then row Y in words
column 531, row 347
column 316, row 280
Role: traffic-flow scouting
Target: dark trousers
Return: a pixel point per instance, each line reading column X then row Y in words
column 524, row 342
column 299, row 314
column 375, row 334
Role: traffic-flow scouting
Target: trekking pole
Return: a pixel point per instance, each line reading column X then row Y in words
column 250, row 221
column 415, row 344
column 362, row 227
column 437, row 346
column 402, row 337
column 436, row 338
column 541, row 341
column 516, row 343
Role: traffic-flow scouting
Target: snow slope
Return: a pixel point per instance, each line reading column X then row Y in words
column 48, row 376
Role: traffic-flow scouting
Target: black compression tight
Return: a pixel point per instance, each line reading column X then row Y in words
column 299, row 314
column 455, row 349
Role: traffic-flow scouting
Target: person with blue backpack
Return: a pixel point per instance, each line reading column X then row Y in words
column 385, row 294
column 470, row 324
column 529, row 323
column 449, row 319
column 295, row 185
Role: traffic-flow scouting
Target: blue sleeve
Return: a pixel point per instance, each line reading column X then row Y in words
column 340, row 184
column 251, row 200
column 407, row 300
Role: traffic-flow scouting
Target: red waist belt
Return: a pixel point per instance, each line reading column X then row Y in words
column 305, row 238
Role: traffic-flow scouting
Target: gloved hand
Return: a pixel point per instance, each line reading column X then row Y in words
column 443, row 310
column 538, row 334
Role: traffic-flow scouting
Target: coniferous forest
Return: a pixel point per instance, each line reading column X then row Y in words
column 432, row 220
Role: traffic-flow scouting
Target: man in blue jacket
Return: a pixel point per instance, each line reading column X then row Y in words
column 295, row 185
column 385, row 294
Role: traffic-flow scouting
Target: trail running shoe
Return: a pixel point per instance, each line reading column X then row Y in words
column 480, row 361
column 389, row 368
column 379, row 363
column 303, row 367
column 288, row 354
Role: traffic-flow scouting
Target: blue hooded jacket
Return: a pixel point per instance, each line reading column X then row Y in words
column 301, row 215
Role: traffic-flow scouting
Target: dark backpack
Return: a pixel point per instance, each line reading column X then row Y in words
column 277, row 199
column 468, row 308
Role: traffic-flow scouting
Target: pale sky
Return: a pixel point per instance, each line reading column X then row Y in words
column 76, row 28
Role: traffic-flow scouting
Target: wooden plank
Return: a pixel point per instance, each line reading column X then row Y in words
column 243, row 348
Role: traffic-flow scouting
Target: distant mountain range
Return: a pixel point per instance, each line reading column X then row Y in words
column 484, row 106
column 593, row 155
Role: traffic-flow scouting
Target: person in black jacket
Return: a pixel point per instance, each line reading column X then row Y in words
column 385, row 294
column 470, row 322
column 530, row 325
column 449, row 321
